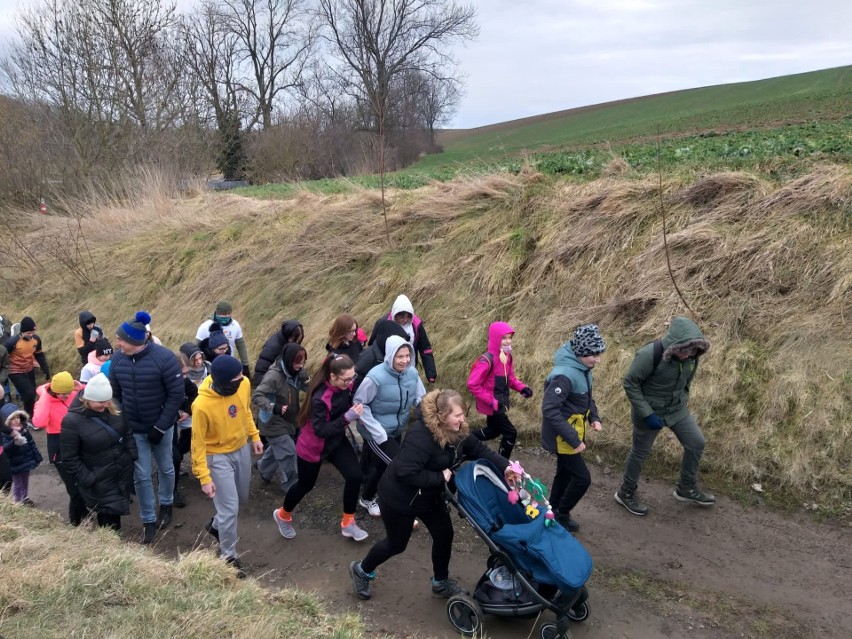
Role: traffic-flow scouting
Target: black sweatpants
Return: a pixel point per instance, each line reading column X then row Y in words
column 25, row 384
column 499, row 424
column 398, row 527
column 570, row 483
column 343, row 459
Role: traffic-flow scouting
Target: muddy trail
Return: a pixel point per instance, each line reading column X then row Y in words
column 682, row 571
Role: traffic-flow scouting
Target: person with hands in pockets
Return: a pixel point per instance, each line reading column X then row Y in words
column 491, row 378
column 567, row 410
column 657, row 385
column 224, row 437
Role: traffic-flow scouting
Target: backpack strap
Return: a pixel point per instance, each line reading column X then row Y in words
column 490, row 359
column 658, row 353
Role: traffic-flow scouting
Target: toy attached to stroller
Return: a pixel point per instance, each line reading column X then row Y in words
column 534, row 565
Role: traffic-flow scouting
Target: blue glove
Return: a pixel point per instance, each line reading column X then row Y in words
column 654, row 422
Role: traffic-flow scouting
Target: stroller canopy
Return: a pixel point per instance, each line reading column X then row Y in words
column 549, row 553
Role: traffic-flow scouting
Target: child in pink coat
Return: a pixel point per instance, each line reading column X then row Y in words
column 491, row 378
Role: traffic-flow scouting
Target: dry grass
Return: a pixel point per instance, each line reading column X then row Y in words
column 58, row 581
column 767, row 268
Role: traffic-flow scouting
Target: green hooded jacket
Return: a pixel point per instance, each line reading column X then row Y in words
column 665, row 390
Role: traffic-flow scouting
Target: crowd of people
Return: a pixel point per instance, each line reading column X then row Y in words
column 123, row 427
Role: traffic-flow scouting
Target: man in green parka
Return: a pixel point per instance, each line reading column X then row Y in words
column 657, row 385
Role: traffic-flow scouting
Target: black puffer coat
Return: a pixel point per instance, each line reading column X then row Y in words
column 272, row 349
column 101, row 464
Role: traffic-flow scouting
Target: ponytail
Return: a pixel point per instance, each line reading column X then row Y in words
column 333, row 363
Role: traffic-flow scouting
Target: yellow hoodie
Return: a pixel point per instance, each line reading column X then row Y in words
column 220, row 425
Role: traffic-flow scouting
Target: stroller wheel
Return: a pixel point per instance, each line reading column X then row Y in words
column 549, row 631
column 465, row 614
column 580, row 612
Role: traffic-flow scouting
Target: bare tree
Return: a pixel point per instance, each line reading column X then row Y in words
column 379, row 41
column 276, row 40
column 437, row 103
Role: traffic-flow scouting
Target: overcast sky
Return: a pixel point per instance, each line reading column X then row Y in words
column 538, row 56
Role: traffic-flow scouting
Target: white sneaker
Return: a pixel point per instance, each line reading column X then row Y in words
column 354, row 532
column 284, row 527
column 372, row 507
column 416, row 524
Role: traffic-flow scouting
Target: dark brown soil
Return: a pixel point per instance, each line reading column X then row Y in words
column 682, row 571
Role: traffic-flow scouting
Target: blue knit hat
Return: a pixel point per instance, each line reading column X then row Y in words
column 135, row 331
column 225, row 368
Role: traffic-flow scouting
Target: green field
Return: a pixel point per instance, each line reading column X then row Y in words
column 777, row 127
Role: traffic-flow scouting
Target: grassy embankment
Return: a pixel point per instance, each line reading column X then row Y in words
column 767, row 268
column 57, row 581
column 775, row 127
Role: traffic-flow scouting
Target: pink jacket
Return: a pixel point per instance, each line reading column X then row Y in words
column 484, row 373
column 50, row 410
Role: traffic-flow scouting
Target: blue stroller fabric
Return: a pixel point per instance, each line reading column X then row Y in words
column 549, row 553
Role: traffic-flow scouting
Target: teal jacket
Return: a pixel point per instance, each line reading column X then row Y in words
column 665, row 390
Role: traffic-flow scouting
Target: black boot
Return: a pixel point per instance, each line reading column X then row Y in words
column 165, row 516
column 149, row 533
column 179, row 499
column 570, row 524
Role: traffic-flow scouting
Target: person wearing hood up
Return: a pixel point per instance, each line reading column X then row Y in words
column 402, row 312
column 86, row 337
column 96, row 359
column 491, row 378
column 567, row 411
column 232, row 329
column 198, row 368
column 388, row 393
column 277, row 400
column 291, row 331
column 657, row 385
column 224, row 437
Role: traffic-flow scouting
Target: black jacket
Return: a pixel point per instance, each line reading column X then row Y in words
column 272, row 350
column 149, row 387
column 352, row 349
column 413, row 483
column 88, row 346
column 100, row 461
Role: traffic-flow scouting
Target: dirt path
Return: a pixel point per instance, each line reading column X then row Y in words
column 683, row 571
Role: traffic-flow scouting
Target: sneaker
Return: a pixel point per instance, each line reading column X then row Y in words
column 26, row 501
column 694, row 495
column 570, row 524
column 179, row 500
column 214, row 532
column 415, row 525
column 165, row 516
column 372, row 507
column 284, row 527
column 354, row 532
column 149, row 533
column 361, row 580
column 235, row 563
column 446, row 588
column 627, row 498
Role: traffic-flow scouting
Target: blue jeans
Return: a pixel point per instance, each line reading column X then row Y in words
column 689, row 436
column 142, row 470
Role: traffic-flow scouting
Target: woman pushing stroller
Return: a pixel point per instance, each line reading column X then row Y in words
column 413, row 486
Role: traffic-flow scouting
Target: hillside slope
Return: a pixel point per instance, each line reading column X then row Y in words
column 766, row 267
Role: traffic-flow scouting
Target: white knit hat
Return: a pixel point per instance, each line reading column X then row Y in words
column 98, row 389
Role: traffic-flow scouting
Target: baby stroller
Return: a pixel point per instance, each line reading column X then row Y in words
column 534, row 565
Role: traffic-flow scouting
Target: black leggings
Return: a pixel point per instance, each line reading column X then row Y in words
column 343, row 459
column 25, row 384
column 398, row 527
column 570, row 483
column 77, row 510
column 5, row 472
column 180, row 446
column 380, row 456
column 499, row 424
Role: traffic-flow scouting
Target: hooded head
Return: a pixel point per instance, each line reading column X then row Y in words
column 402, row 305
column 683, row 335
column 135, row 331
column 290, row 354
column 496, row 332
column 292, row 331
column 393, row 345
column 190, row 349
column 383, row 329
column 86, row 318
column 8, row 411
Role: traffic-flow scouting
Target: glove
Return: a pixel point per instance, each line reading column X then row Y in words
column 155, row 435
column 654, row 422
column 350, row 415
column 19, row 439
column 246, row 370
column 47, row 374
column 526, row 392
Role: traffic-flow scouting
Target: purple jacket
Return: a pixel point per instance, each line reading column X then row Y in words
column 490, row 380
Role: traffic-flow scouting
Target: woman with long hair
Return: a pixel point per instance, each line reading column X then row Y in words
column 323, row 420
column 343, row 337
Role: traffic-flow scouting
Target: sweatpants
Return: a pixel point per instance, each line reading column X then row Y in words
column 570, row 483
column 399, row 526
column 499, row 424
column 279, row 454
column 231, row 475
column 344, row 459
column 25, row 384
column 20, row 486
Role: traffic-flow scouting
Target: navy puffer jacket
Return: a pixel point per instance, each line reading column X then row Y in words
column 149, row 387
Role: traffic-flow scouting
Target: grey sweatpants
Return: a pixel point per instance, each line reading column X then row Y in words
column 231, row 474
column 280, row 453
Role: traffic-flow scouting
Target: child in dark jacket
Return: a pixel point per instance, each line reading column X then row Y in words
column 490, row 380
column 20, row 449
